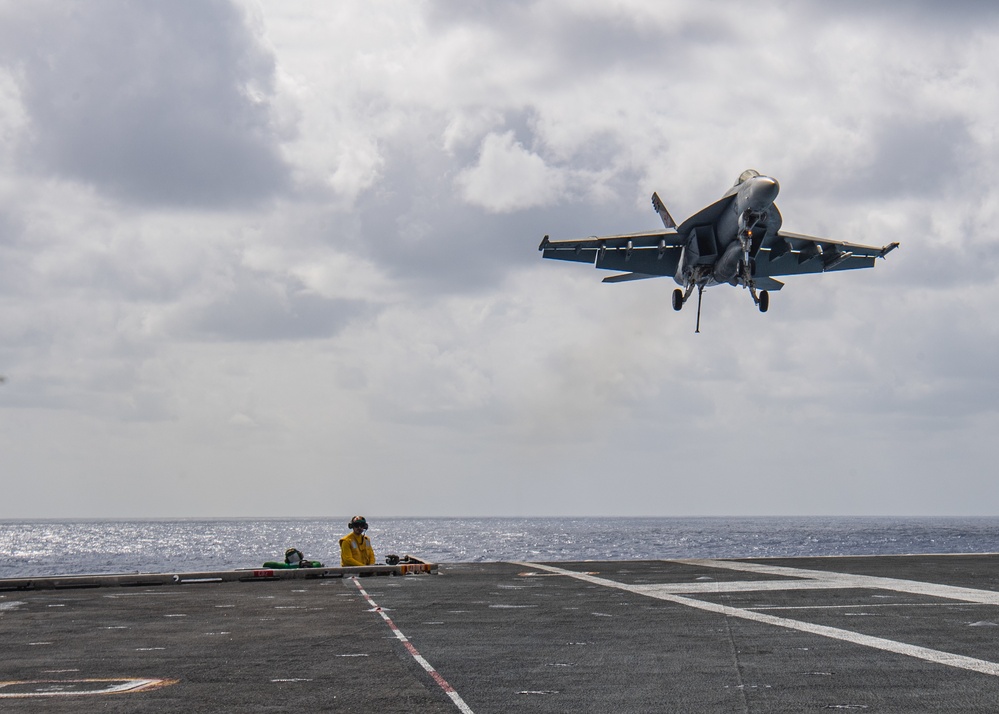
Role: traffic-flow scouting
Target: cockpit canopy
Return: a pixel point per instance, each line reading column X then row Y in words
column 746, row 175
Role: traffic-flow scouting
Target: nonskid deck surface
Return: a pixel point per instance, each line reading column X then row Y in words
column 885, row 634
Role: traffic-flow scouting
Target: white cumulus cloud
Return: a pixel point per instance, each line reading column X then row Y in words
column 508, row 177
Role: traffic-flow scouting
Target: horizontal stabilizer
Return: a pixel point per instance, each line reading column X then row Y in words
column 768, row 284
column 625, row 277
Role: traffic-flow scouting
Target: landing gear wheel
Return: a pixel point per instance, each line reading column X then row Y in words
column 764, row 301
column 677, row 299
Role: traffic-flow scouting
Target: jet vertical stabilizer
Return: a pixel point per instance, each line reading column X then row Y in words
column 663, row 213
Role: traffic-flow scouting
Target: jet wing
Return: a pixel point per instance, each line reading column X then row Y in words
column 794, row 254
column 650, row 254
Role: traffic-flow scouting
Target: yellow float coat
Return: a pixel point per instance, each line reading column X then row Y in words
column 356, row 550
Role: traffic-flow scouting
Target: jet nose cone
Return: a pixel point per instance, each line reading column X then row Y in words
column 764, row 191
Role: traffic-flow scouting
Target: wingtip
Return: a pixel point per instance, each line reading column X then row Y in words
column 888, row 249
column 544, row 243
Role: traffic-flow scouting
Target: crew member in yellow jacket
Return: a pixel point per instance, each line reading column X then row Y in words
column 355, row 548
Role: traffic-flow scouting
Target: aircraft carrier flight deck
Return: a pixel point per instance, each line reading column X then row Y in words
column 867, row 634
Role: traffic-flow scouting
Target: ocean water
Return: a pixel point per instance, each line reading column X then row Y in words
column 48, row 547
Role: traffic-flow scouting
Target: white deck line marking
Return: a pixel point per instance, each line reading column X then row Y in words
column 739, row 586
column 848, row 580
column 442, row 683
column 879, row 643
column 855, row 606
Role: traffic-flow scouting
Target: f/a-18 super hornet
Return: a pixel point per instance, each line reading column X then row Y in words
column 737, row 240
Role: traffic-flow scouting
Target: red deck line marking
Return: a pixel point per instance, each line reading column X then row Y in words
column 442, row 683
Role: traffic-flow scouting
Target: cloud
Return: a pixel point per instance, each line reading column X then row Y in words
column 244, row 240
column 359, row 167
column 508, row 177
column 154, row 104
column 256, row 307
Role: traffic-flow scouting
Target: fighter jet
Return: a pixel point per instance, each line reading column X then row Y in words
column 737, row 241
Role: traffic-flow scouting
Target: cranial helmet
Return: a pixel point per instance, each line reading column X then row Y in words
column 358, row 521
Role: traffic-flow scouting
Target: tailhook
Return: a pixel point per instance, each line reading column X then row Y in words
column 697, row 328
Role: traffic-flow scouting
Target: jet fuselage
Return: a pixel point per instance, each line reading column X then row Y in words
column 718, row 241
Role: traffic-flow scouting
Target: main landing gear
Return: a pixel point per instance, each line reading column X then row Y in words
column 762, row 300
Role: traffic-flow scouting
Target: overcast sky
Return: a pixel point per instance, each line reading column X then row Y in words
column 280, row 259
